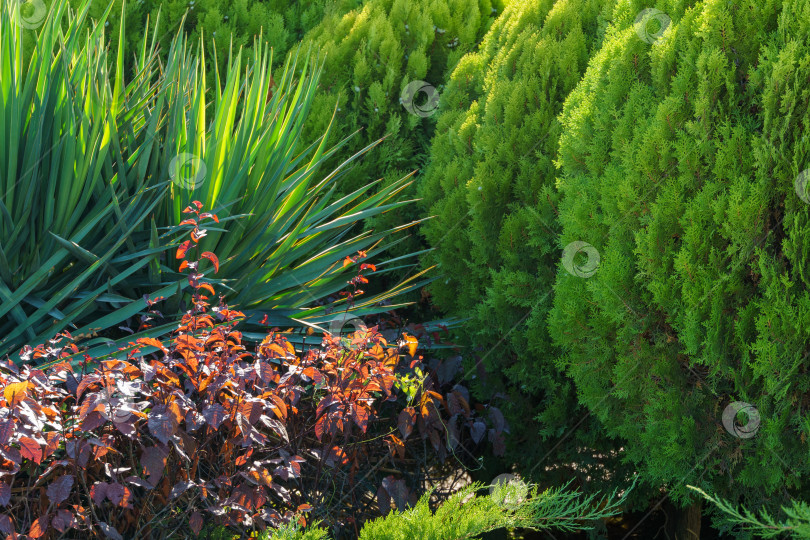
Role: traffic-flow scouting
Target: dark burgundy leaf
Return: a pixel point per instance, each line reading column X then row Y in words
column 162, row 425
column 78, row 450
column 5, row 494
column 196, row 523
column 6, row 430
column 453, row 404
column 463, row 391
column 498, row 420
column 252, row 410
column 498, row 443
column 478, row 431
column 72, row 383
column 397, row 490
column 405, row 421
column 93, row 421
column 448, row 369
column 276, row 426
column 63, row 521
column 265, row 371
column 179, row 489
column 109, row 531
column 98, row 492
column 137, row 481
column 194, row 420
column 214, row 414
column 435, row 439
column 453, row 437
column 384, row 501
column 59, row 490
column 153, row 460
column 126, row 427
column 6, row 525
column 118, row 494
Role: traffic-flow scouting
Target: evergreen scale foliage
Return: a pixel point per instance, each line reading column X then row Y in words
column 372, row 53
column 223, row 26
column 675, row 157
column 678, row 162
column 490, row 184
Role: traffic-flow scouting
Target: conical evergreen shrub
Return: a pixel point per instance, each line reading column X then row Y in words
column 372, row 54
column 680, row 154
column 491, row 186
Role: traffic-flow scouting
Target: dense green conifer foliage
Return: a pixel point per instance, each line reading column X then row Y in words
column 372, row 54
column 678, row 160
column 281, row 23
column 490, row 184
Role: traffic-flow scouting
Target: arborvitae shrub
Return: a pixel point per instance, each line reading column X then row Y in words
column 490, row 185
column 281, row 23
column 678, row 160
column 372, row 53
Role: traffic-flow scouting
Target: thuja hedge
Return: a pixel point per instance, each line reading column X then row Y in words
column 491, row 186
column 675, row 155
column 679, row 157
column 221, row 25
column 371, row 54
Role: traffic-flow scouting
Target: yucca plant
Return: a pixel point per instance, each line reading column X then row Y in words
column 67, row 217
column 95, row 176
column 240, row 156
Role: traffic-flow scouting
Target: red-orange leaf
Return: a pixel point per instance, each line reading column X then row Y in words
column 183, row 249
column 207, row 287
column 213, row 258
column 39, row 527
column 280, row 408
column 151, row 342
column 412, row 344
column 188, row 222
column 29, row 449
column 183, row 265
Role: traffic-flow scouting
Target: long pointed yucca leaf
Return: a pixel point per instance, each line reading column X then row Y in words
column 84, row 157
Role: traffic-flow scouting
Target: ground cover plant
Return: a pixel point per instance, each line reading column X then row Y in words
column 469, row 514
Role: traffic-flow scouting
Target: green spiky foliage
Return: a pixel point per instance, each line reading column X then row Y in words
column 372, row 53
column 491, row 186
column 678, row 160
column 91, row 192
